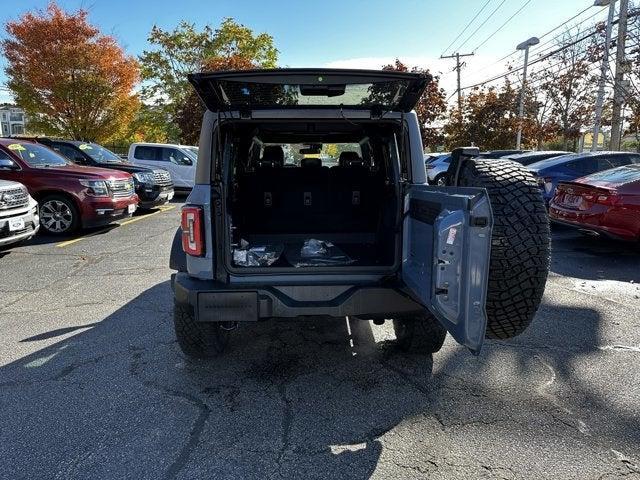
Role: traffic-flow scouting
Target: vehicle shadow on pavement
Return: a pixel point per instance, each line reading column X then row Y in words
column 589, row 258
column 315, row 398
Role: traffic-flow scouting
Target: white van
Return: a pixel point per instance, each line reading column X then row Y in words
column 179, row 160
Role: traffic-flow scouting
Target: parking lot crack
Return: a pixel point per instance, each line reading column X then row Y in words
column 197, row 428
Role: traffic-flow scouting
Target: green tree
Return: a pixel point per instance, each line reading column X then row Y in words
column 184, row 50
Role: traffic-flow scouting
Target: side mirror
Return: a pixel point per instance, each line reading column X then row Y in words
column 80, row 160
column 185, row 161
column 8, row 164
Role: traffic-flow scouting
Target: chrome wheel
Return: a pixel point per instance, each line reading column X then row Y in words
column 56, row 216
column 442, row 181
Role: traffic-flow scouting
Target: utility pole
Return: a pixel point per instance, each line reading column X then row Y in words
column 619, row 86
column 603, row 72
column 524, row 46
column 457, row 69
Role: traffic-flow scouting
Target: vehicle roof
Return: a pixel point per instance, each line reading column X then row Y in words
column 9, row 140
column 552, row 162
column 152, row 144
column 515, row 156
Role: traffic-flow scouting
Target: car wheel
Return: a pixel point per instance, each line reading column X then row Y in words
column 440, row 180
column 520, row 244
column 419, row 334
column 58, row 215
column 198, row 339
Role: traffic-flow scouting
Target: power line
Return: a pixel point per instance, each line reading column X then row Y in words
column 482, row 24
column 465, row 28
column 544, row 57
column 502, row 26
column 537, row 48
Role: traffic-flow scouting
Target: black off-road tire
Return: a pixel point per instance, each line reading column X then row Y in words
column 420, row 334
column 520, row 244
column 198, row 339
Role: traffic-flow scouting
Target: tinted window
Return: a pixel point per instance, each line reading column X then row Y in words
column 171, row 155
column 583, row 166
column 147, row 153
column 66, row 151
column 616, row 161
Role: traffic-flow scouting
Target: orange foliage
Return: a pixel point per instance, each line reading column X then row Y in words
column 70, row 79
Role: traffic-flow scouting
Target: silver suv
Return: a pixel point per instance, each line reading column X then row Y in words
column 311, row 199
column 18, row 213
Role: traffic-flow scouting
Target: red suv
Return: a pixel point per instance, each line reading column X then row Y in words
column 70, row 196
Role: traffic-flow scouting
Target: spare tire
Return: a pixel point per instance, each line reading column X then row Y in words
column 520, row 243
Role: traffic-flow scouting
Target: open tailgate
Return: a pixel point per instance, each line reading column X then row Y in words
column 309, row 88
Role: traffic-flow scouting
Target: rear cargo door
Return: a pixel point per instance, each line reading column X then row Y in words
column 250, row 90
column 445, row 264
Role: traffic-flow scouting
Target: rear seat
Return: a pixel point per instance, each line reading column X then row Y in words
column 342, row 198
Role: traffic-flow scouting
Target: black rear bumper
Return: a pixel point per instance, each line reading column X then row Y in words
column 215, row 302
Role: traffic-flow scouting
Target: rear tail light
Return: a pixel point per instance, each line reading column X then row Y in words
column 192, row 231
column 607, row 198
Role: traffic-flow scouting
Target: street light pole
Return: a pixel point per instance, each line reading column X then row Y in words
column 603, row 72
column 523, row 46
column 619, row 83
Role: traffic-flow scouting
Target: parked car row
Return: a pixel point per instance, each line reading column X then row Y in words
column 596, row 192
column 63, row 185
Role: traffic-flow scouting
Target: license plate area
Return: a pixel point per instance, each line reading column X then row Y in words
column 16, row 224
column 572, row 200
column 228, row 306
column 131, row 208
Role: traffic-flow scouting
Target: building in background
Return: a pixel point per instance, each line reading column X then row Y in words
column 12, row 120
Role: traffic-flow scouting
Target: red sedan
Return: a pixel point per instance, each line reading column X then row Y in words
column 604, row 203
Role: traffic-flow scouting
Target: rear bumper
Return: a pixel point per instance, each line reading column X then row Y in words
column 101, row 211
column 214, row 302
column 593, row 222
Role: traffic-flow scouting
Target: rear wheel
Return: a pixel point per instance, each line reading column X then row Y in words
column 419, row 334
column 59, row 215
column 198, row 339
column 520, row 243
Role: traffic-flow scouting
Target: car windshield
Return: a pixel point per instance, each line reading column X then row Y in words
column 37, row 155
column 193, row 151
column 100, row 154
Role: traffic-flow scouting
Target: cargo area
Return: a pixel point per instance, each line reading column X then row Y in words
column 298, row 199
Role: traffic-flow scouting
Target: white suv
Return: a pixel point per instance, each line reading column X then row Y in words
column 179, row 160
column 18, row 213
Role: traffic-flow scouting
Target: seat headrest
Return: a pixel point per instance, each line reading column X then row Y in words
column 349, row 159
column 310, row 162
column 272, row 156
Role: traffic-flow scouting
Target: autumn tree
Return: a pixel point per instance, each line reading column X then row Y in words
column 71, row 80
column 489, row 119
column 186, row 49
column 431, row 107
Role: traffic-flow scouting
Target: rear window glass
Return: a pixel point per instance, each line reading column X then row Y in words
column 619, row 175
column 269, row 95
column 329, row 153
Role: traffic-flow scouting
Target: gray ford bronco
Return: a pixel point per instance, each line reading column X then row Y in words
column 311, row 199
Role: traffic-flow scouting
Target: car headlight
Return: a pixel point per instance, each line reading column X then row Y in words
column 144, row 177
column 97, row 188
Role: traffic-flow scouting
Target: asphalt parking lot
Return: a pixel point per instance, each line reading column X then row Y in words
column 93, row 384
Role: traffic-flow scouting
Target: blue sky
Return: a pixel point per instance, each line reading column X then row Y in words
column 353, row 33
